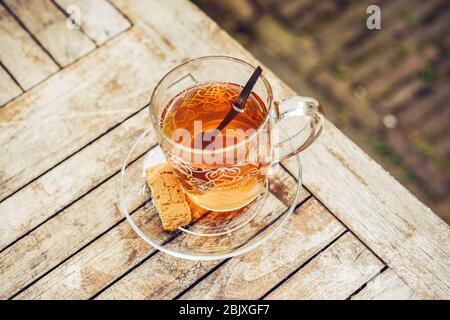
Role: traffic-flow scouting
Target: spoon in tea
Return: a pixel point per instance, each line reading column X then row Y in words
column 238, row 105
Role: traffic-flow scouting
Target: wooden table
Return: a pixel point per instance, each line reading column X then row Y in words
column 73, row 101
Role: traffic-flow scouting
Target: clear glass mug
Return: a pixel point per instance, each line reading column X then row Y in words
column 228, row 178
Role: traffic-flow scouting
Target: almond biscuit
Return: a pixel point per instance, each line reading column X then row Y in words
column 168, row 198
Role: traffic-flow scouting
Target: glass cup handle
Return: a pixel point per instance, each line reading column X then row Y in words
column 290, row 137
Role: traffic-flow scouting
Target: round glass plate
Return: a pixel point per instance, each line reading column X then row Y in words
column 210, row 235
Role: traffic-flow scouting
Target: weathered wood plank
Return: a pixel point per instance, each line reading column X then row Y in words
column 408, row 236
column 334, row 274
column 250, row 276
column 58, row 238
column 96, row 266
column 412, row 239
column 193, row 36
column 49, row 194
column 77, row 105
column 99, row 19
column 26, row 61
column 379, row 210
column 164, row 277
column 386, row 286
column 8, row 88
column 49, row 25
column 85, row 66
column 111, row 255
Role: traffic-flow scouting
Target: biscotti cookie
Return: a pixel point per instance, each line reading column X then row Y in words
column 168, row 197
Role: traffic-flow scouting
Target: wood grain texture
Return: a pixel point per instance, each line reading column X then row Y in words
column 99, row 19
column 8, row 88
column 115, row 253
column 193, row 35
column 58, row 238
column 77, row 105
column 386, row 286
column 160, row 277
column 96, row 266
column 49, row 194
column 49, row 25
column 379, row 210
column 165, row 277
column 334, row 274
column 408, row 236
column 250, row 276
column 23, row 57
column 46, row 125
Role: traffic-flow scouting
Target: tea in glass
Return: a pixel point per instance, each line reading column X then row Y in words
column 220, row 171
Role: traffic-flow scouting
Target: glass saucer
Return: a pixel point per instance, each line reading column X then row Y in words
column 211, row 235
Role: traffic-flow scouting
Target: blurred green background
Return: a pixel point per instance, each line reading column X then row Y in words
column 387, row 89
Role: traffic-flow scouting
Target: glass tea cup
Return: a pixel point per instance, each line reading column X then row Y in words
column 230, row 170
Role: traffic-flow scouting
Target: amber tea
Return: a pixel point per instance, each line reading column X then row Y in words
column 224, row 170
